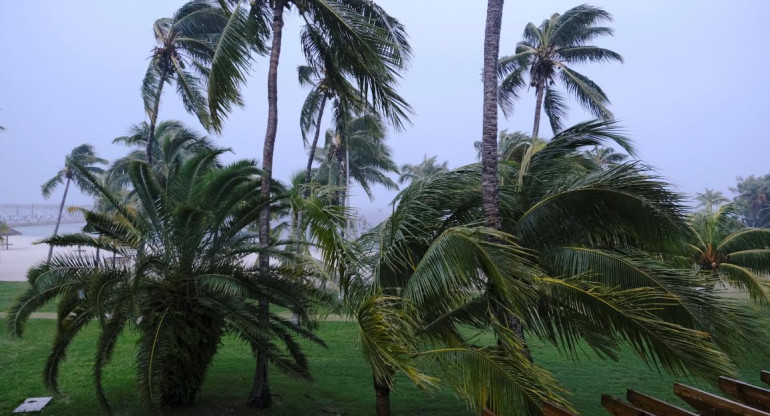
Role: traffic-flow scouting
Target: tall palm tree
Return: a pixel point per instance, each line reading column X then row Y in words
column 423, row 170
column 605, row 157
column 370, row 43
column 710, row 199
column 187, row 285
column 356, row 152
column 81, row 156
column 727, row 250
column 185, row 48
column 547, row 52
column 489, row 185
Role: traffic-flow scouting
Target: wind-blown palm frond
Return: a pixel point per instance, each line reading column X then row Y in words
column 186, row 283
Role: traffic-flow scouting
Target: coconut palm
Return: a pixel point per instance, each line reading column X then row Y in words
column 185, row 48
column 710, row 199
column 731, row 252
column 371, row 44
column 425, row 169
column 605, row 157
column 174, row 143
column 594, row 278
column 489, row 152
column 83, row 156
column 548, row 51
column 187, row 285
column 356, row 151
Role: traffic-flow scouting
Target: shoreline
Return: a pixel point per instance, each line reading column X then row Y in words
column 43, row 223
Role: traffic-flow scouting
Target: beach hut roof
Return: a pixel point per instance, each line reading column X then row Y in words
column 9, row 231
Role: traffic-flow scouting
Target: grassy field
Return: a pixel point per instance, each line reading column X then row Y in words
column 342, row 380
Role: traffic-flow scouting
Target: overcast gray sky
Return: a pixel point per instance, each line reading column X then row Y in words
column 692, row 92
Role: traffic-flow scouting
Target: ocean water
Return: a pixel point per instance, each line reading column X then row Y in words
column 47, row 230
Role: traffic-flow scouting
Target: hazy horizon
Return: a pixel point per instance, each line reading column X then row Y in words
column 73, row 71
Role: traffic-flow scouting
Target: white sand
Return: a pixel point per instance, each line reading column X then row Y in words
column 23, row 254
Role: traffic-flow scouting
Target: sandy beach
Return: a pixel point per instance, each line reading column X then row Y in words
column 23, row 253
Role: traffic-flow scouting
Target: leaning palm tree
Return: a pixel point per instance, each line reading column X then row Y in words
column 548, row 52
column 370, row 43
column 710, row 199
column 83, row 156
column 730, row 252
column 185, row 48
column 594, row 281
column 187, row 285
column 423, row 170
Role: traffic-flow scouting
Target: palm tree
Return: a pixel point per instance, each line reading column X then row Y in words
column 356, row 151
column 328, row 83
column 511, row 146
column 187, row 285
column 551, row 49
column 371, row 44
column 605, row 157
column 185, row 47
column 710, row 199
column 174, row 143
column 731, row 252
column 489, row 185
column 594, row 280
column 81, row 156
column 421, row 171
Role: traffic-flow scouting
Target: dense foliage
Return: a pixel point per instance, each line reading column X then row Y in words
column 184, row 279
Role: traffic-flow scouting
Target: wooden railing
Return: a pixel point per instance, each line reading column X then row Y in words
column 742, row 399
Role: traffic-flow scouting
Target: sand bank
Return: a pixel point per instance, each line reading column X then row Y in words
column 23, row 254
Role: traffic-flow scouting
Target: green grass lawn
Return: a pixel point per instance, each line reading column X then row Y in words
column 342, row 379
column 10, row 290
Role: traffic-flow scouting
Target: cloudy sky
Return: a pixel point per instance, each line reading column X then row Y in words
column 691, row 93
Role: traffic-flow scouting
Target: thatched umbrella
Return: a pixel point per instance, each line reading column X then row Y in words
column 5, row 232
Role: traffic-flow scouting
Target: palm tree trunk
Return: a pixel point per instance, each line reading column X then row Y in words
column 260, row 397
column 535, row 130
column 341, row 168
column 489, row 181
column 154, row 117
column 347, row 186
column 58, row 220
column 309, row 170
column 383, row 399
column 313, row 146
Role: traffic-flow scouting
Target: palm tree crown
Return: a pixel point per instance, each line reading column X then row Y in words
column 709, row 199
column 732, row 252
column 186, row 284
column 548, row 51
column 185, row 48
column 423, row 170
column 605, row 157
column 81, row 159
